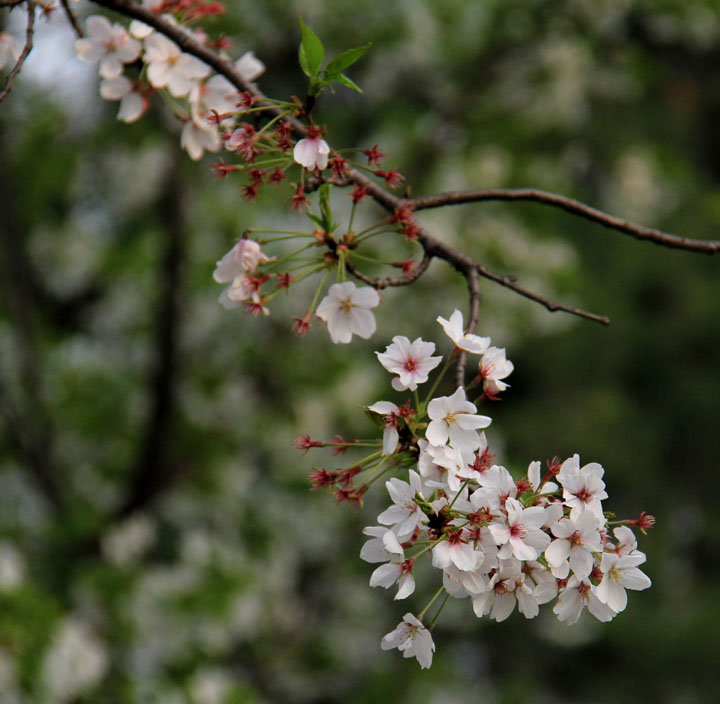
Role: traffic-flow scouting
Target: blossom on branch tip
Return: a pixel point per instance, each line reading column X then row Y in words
column 346, row 310
column 454, row 330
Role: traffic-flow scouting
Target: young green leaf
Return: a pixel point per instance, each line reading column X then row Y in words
column 311, row 51
column 344, row 80
column 347, row 58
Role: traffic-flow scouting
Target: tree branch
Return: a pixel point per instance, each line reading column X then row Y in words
column 29, row 32
column 572, row 206
column 385, row 283
column 72, row 19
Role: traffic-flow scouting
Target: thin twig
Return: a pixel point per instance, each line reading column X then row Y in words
column 29, row 32
column 570, row 205
column 72, row 19
column 385, row 283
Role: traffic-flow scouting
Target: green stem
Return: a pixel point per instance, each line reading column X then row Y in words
column 430, row 603
column 435, row 618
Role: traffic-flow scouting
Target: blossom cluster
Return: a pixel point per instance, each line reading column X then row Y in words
column 159, row 64
column 502, row 542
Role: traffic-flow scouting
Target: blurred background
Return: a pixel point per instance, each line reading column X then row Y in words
column 158, row 539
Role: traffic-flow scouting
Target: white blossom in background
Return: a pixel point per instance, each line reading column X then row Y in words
column 75, row 661
column 9, row 51
column 346, row 310
column 12, row 566
column 128, row 541
column 456, row 332
column 412, row 639
column 169, row 67
column 411, row 361
column 110, row 44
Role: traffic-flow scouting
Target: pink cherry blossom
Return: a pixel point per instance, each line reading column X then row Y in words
column 312, row 153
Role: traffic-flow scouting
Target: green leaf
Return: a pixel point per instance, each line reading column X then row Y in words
column 347, row 58
column 344, row 80
column 311, row 51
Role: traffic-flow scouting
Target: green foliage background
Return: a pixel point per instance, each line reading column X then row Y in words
column 175, row 554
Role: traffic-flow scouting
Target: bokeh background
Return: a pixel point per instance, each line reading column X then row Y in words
column 158, row 539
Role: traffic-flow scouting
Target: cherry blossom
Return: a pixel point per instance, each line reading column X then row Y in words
column 412, row 639
column 453, row 419
column 404, row 515
column 454, row 330
column 577, row 595
column 312, row 153
column 582, row 488
column 110, row 44
column 455, row 551
column 522, row 536
column 132, row 103
column 411, row 361
column 619, row 574
column 197, row 136
column 170, row 68
column 493, row 367
column 249, row 66
column 397, row 570
column 346, row 310
column 574, row 545
column 383, row 545
column 245, row 256
column 390, row 434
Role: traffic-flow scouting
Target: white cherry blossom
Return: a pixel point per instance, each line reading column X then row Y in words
column 493, row 368
column 455, row 551
column 404, row 515
column 244, row 257
column 412, row 639
column 346, row 310
column 198, row 135
column 110, row 44
column 575, row 597
column 249, row 66
column 390, row 433
column 132, row 103
column 453, row 420
column 170, row 68
column 382, row 546
column 619, row 574
column 583, row 488
column 521, row 536
column 574, row 545
column 454, row 330
column 411, row 361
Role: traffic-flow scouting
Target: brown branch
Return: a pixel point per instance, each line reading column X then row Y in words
column 385, row 283
column 72, row 19
column 570, row 205
column 29, row 32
